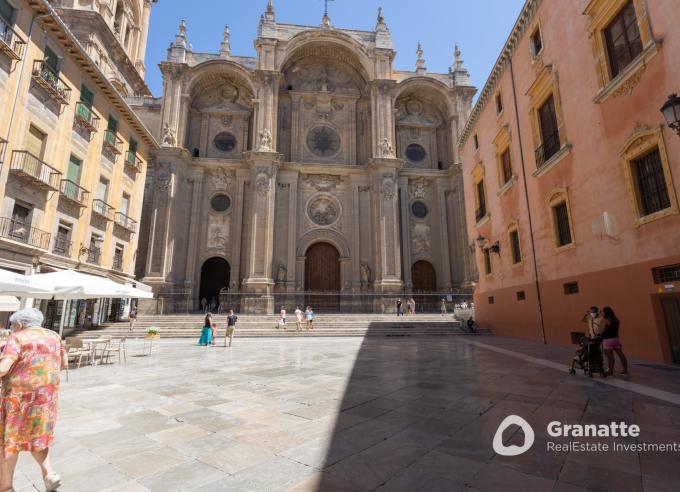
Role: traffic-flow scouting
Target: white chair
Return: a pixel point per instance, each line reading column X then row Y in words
column 75, row 349
column 116, row 347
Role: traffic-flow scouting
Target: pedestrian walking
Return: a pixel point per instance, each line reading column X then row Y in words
column 611, row 342
column 399, row 311
column 309, row 314
column 204, row 305
column 231, row 327
column 282, row 320
column 443, row 307
column 29, row 365
column 298, row 318
column 207, row 332
column 413, row 305
column 132, row 317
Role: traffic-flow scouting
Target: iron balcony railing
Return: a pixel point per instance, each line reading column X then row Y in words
column 3, row 144
column 480, row 213
column 85, row 117
column 27, row 166
column 94, row 255
column 23, row 233
column 103, row 209
column 112, row 142
column 549, row 147
column 73, row 192
column 125, row 222
column 62, row 247
column 133, row 161
column 49, row 80
column 11, row 43
column 117, row 263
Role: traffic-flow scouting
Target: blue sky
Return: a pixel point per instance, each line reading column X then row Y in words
column 479, row 27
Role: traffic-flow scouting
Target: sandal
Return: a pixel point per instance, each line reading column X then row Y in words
column 52, row 482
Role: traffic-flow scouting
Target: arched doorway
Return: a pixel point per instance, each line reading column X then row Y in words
column 322, row 277
column 215, row 274
column 424, row 280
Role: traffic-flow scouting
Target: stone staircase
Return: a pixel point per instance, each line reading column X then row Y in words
column 265, row 326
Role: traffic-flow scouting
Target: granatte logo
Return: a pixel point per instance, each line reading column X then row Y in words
column 513, row 450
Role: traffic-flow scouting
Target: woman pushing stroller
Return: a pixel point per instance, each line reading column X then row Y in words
column 603, row 332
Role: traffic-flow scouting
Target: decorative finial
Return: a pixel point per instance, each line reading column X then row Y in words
column 458, row 63
column 381, row 19
column 270, row 6
column 326, row 20
column 380, row 25
column 420, row 62
column 181, row 36
column 225, row 47
column 183, row 27
column 269, row 14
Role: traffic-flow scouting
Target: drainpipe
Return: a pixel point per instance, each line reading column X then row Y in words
column 526, row 200
column 21, row 77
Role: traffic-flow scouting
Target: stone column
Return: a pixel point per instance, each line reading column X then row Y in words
column 442, row 226
column 266, row 113
column 292, row 234
column 196, row 182
column 172, row 101
column 259, row 277
column 355, row 232
column 164, row 186
column 382, row 110
column 237, row 230
column 144, row 36
column 407, row 261
column 387, row 252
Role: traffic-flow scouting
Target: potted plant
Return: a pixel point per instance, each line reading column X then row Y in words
column 153, row 333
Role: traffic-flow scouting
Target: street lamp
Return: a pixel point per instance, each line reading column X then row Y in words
column 494, row 248
column 671, row 112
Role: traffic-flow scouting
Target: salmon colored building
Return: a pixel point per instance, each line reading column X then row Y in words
column 574, row 175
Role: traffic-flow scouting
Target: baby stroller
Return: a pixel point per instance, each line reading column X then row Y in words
column 588, row 356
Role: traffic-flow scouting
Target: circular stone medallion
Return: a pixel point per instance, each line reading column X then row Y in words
column 225, row 141
column 419, row 209
column 323, row 211
column 323, row 141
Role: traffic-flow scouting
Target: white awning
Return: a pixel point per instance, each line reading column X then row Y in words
column 69, row 284
column 9, row 304
column 16, row 284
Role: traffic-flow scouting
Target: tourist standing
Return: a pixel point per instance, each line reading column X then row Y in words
column 593, row 320
column 133, row 316
column 282, row 320
column 204, row 305
column 207, row 332
column 231, row 327
column 443, row 306
column 29, row 365
column 611, row 342
column 298, row 318
column 399, row 311
column 309, row 314
column 413, row 305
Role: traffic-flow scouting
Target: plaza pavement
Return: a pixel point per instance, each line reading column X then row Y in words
column 403, row 414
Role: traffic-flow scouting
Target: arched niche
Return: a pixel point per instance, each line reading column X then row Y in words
column 220, row 112
column 423, row 130
column 324, row 112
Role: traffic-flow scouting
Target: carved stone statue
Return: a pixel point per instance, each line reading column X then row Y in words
column 262, row 182
column 386, row 149
column 365, row 274
column 265, row 141
column 282, row 274
column 388, row 186
column 168, row 138
column 217, row 240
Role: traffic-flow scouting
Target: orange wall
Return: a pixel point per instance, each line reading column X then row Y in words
column 609, row 271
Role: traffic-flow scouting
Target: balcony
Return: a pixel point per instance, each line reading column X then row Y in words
column 49, row 80
column 27, row 166
column 112, row 142
column 125, row 222
column 62, row 247
column 94, row 255
column 550, row 146
column 23, row 233
column 11, row 43
column 102, row 209
column 117, row 263
column 85, row 118
column 133, row 161
column 73, row 193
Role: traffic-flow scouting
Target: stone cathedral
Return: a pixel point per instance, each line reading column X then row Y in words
column 313, row 167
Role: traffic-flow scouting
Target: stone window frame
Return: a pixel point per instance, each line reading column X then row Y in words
column 641, row 142
column 503, row 143
column 545, row 85
column 602, row 13
column 498, row 103
column 535, row 55
column 216, row 194
column 557, row 197
column 514, row 227
column 478, row 175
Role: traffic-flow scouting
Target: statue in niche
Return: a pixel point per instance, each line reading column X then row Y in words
column 386, row 149
column 324, row 83
column 365, row 274
column 168, row 139
column 282, row 273
column 265, row 141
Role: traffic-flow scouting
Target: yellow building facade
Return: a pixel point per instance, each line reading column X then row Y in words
column 73, row 153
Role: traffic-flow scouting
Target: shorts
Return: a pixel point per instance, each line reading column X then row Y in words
column 611, row 343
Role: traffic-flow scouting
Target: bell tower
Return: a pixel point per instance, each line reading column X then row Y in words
column 115, row 34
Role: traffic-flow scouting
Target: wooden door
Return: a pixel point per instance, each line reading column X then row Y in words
column 322, row 276
column 424, row 277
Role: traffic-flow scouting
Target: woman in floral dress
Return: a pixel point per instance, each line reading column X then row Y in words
column 29, row 366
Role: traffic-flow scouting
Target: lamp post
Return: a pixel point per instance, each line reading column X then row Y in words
column 671, row 112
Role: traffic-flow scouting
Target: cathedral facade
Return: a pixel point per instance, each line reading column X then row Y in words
column 313, row 167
